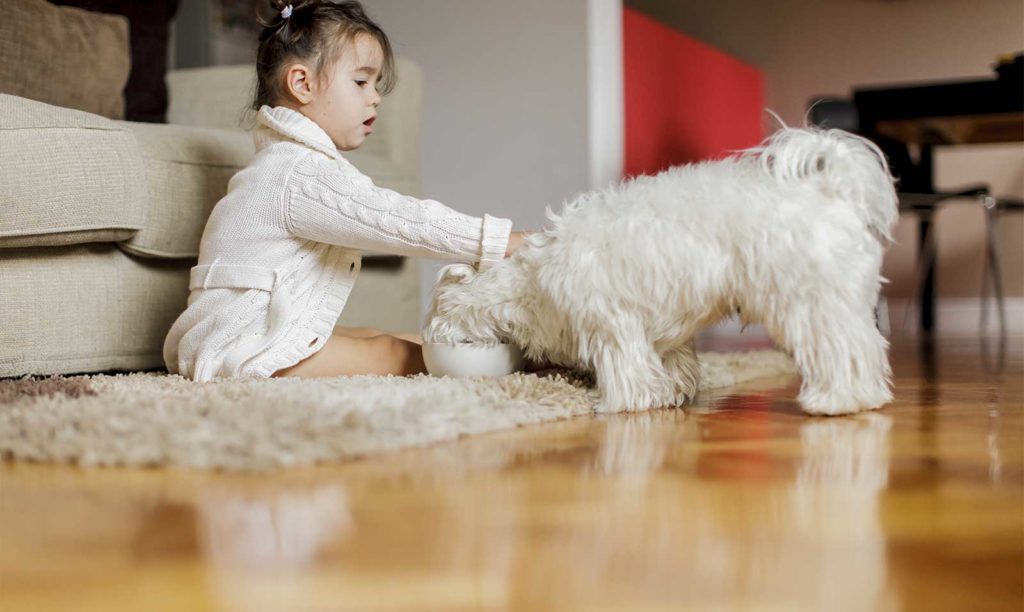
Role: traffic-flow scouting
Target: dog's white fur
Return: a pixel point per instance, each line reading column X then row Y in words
column 789, row 234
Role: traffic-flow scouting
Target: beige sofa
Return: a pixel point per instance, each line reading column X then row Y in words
column 100, row 220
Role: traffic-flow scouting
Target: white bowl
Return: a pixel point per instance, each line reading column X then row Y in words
column 443, row 359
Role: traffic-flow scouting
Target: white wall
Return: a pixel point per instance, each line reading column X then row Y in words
column 607, row 104
column 506, row 112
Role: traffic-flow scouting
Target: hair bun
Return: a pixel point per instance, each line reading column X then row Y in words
column 282, row 15
column 297, row 5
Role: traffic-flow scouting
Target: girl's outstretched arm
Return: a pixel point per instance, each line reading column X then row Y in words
column 329, row 202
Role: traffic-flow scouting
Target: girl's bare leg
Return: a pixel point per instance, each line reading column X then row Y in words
column 348, row 355
column 369, row 332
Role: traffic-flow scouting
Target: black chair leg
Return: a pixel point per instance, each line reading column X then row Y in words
column 924, row 271
column 992, row 271
column 927, row 288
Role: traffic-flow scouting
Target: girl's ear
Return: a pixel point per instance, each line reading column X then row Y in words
column 299, row 83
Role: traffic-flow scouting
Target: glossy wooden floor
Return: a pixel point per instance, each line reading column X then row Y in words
column 737, row 503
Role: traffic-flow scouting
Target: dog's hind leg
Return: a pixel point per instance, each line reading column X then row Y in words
column 841, row 355
column 684, row 371
column 630, row 374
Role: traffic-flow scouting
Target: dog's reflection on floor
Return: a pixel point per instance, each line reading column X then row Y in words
column 802, row 531
column 658, row 506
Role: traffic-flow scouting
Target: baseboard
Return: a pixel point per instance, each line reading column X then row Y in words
column 953, row 317
column 957, row 316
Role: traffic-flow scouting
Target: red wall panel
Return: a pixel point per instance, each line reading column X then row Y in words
column 684, row 100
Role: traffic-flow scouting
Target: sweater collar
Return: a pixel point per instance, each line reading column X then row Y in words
column 294, row 125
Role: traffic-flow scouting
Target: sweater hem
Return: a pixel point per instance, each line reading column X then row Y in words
column 299, row 343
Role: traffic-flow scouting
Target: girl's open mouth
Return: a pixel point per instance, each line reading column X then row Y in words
column 369, row 121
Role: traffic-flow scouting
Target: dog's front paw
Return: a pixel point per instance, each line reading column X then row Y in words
column 683, row 369
column 824, row 403
column 634, row 402
column 603, row 406
column 684, row 394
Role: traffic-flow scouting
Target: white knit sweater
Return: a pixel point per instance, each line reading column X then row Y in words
column 281, row 251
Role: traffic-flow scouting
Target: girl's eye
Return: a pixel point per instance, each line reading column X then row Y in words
column 361, row 83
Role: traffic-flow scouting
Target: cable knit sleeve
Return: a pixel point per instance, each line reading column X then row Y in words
column 330, row 201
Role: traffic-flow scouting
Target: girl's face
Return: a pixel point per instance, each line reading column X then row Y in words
column 344, row 101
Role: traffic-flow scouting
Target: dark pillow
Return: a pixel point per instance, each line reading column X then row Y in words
column 145, row 95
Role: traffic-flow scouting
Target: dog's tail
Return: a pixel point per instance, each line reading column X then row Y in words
column 843, row 164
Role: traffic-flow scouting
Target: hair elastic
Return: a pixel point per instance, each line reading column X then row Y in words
column 286, row 12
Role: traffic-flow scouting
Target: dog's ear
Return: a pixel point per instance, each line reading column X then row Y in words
column 455, row 273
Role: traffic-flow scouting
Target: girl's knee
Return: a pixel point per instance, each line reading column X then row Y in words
column 409, row 337
column 407, row 355
column 391, row 354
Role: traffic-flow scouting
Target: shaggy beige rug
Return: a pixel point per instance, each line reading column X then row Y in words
column 148, row 419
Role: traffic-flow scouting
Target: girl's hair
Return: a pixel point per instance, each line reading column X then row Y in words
column 315, row 30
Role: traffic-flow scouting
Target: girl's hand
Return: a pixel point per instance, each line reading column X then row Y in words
column 515, row 240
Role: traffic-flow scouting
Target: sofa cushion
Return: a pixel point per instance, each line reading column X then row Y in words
column 51, row 54
column 92, row 307
column 66, row 176
column 86, row 308
column 187, row 170
column 145, row 95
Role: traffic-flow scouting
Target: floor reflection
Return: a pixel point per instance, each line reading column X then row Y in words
column 740, row 502
column 259, row 548
column 632, row 510
column 812, row 541
column 634, row 445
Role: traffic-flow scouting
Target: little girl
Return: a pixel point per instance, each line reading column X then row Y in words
column 281, row 251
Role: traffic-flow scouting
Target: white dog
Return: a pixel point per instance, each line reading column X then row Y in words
column 789, row 234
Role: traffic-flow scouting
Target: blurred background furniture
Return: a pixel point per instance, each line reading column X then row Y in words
column 145, row 92
column 100, row 218
column 925, row 116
